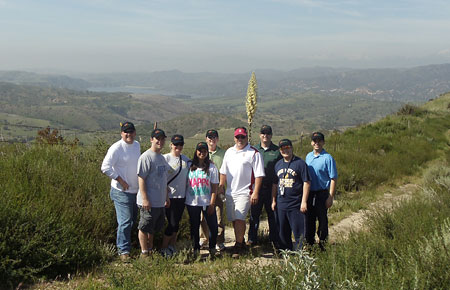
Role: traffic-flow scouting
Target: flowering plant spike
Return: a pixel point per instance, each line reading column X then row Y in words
column 251, row 103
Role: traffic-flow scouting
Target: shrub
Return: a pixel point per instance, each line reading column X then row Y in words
column 55, row 214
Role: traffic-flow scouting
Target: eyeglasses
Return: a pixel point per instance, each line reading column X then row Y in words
column 240, row 137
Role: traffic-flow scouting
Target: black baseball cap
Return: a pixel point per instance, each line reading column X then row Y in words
column 158, row 133
column 284, row 142
column 266, row 129
column 201, row 145
column 317, row 136
column 212, row 134
column 177, row 139
column 127, row 127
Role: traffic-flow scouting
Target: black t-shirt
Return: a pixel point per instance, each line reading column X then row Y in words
column 289, row 179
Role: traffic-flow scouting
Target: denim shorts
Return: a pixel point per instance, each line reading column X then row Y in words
column 151, row 221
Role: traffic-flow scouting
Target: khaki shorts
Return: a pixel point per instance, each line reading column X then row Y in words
column 237, row 207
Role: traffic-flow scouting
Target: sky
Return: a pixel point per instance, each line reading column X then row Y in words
column 220, row 36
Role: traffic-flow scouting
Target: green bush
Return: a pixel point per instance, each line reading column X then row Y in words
column 407, row 248
column 55, row 215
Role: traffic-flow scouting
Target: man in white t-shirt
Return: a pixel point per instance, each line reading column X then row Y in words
column 242, row 171
column 120, row 164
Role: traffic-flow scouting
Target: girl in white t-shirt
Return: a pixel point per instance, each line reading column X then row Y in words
column 203, row 180
column 177, row 184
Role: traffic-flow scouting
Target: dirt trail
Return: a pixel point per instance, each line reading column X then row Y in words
column 355, row 222
column 341, row 230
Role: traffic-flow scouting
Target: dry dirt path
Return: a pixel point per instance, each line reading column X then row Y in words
column 355, row 222
column 339, row 231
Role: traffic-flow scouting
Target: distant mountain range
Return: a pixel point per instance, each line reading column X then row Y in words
column 292, row 102
column 44, row 80
column 416, row 84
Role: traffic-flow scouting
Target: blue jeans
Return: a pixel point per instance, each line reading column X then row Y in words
column 126, row 213
column 195, row 218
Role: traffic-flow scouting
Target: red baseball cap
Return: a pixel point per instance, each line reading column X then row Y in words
column 240, row 131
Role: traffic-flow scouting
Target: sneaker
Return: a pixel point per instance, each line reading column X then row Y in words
column 221, row 247
column 166, row 252
column 204, row 244
column 251, row 243
column 172, row 249
column 125, row 258
column 144, row 255
column 213, row 254
column 238, row 250
column 191, row 256
column 322, row 246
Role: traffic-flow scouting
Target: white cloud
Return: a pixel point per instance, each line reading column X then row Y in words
column 444, row 52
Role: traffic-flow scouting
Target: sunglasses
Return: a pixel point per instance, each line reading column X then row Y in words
column 240, row 137
column 285, row 147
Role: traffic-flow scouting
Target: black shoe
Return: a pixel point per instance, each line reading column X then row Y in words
column 322, row 246
column 238, row 250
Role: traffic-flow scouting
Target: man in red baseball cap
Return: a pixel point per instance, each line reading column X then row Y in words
column 242, row 171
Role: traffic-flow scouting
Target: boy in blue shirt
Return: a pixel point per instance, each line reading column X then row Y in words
column 322, row 169
column 289, row 196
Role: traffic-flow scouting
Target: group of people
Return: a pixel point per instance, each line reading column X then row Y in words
column 245, row 178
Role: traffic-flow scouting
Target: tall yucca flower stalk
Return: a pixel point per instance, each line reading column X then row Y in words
column 251, row 102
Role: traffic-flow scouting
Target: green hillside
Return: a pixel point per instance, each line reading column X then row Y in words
column 84, row 113
column 57, row 218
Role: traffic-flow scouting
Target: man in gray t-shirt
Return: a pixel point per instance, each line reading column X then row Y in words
column 153, row 196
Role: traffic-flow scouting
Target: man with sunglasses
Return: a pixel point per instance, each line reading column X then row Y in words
column 271, row 155
column 322, row 169
column 242, row 171
column 216, row 155
column 289, row 196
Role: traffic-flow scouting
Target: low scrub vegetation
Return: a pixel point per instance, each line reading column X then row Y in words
column 56, row 218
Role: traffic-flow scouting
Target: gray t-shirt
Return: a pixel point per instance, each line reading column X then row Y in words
column 178, row 186
column 154, row 169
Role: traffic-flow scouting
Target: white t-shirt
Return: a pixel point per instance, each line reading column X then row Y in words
column 241, row 168
column 199, row 193
column 121, row 160
column 178, row 186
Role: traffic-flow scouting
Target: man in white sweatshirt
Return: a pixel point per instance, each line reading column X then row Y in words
column 120, row 164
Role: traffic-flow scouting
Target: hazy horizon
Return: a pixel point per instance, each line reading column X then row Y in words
column 100, row 36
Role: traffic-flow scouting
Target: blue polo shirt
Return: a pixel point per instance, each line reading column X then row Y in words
column 322, row 169
column 291, row 176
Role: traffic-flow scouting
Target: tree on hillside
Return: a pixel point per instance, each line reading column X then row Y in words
column 251, row 102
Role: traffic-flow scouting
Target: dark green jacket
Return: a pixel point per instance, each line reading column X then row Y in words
column 270, row 156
